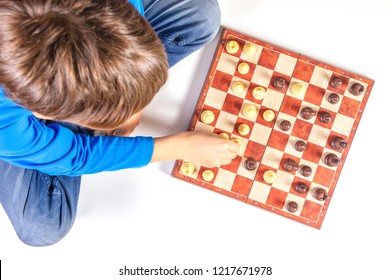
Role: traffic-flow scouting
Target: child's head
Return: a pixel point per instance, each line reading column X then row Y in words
column 94, row 62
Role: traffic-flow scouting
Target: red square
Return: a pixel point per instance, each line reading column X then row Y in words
column 247, row 76
column 232, row 104
column 332, row 136
column 323, row 176
column 276, row 198
column 254, row 150
column 268, row 58
column 343, row 87
column 278, row 140
column 219, row 131
column 209, row 108
column 303, row 71
column 311, row 210
column 202, row 169
column 260, row 118
column 301, row 129
column 260, row 172
column 284, row 159
column 279, row 75
column 242, row 185
column 234, row 165
column 313, row 152
column 241, row 44
column 221, row 81
column 291, row 106
column 249, row 94
column 349, row 107
column 243, row 121
column 321, row 123
column 295, row 182
column 314, row 94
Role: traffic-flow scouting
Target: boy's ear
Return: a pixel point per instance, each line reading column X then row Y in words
column 39, row 116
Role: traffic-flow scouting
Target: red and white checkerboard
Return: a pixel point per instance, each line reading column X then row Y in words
column 266, row 142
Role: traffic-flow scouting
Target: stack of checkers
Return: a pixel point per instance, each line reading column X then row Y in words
column 294, row 118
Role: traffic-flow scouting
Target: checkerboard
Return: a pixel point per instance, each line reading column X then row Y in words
column 267, row 143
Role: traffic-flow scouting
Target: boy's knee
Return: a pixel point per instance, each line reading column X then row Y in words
column 50, row 212
column 40, row 233
column 48, row 218
column 209, row 16
column 185, row 26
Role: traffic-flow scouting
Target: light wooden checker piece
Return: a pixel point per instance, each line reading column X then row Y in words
column 308, row 83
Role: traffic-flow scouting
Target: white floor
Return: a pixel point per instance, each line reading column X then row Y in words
column 146, row 218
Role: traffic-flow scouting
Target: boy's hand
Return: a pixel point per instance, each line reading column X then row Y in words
column 206, row 149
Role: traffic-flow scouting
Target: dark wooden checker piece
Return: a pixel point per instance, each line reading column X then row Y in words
column 317, row 108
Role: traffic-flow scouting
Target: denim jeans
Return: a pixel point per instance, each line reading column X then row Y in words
column 42, row 208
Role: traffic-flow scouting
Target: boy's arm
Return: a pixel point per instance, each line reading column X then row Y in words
column 203, row 148
column 55, row 150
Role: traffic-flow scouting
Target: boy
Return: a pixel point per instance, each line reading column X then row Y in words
column 69, row 68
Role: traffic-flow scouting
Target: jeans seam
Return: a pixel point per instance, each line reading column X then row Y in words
column 173, row 40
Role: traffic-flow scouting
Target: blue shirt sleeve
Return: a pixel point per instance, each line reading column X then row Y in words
column 138, row 5
column 56, row 150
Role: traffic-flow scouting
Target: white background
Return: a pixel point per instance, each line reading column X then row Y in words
column 146, row 218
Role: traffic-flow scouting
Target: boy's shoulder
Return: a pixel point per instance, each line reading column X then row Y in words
column 7, row 104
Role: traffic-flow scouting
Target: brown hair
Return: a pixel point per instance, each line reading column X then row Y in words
column 94, row 62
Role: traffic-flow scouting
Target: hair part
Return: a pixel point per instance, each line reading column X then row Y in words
column 93, row 62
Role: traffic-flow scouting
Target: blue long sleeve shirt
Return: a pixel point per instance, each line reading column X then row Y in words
column 53, row 149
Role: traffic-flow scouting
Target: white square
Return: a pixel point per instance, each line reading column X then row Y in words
column 290, row 147
column 272, row 157
column 215, row 98
column 262, row 76
column 260, row 134
column 319, row 135
column 273, row 100
column 310, row 194
column 199, row 126
column 292, row 83
column 227, row 64
column 343, row 124
column 350, row 95
column 224, row 179
column 259, row 192
column 226, row 121
column 313, row 167
column 245, row 103
column 250, row 174
column 284, row 117
column 241, row 94
column 299, row 200
column 286, row 64
column 283, row 181
column 329, row 106
column 321, row 77
column 193, row 175
column 327, row 152
column 255, row 57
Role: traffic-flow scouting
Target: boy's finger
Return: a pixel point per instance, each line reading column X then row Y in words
column 232, row 155
column 233, row 147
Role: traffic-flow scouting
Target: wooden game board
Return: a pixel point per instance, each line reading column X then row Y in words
column 266, row 142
